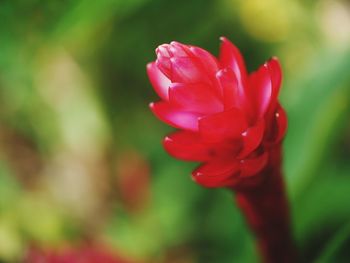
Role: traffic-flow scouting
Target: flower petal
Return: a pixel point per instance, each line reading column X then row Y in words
column 233, row 94
column 252, row 138
column 250, row 167
column 261, row 89
column 231, row 57
column 174, row 117
column 276, row 74
column 216, row 173
column 194, row 97
column 163, row 60
column 186, row 146
column 274, row 67
column 223, row 125
column 279, row 126
column 282, row 123
column 186, row 70
column 208, row 61
column 178, row 49
column 158, row 80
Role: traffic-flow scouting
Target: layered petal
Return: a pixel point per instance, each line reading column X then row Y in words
column 261, row 90
column 275, row 70
column 207, row 60
column 282, row 123
column 216, row 173
column 185, row 69
column 222, row 125
column 276, row 75
column 195, row 98
column 158, row 80
column 175, row 117
column 163, row 60
column 232, row 58
column 233, row 94
column 252, row 138
column 179, row 50
column 186, row 146
column 180, row 64
column 252, row 166
column 229, row 121
column 278, row 126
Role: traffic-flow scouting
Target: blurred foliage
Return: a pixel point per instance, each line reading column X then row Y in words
column 73, row 105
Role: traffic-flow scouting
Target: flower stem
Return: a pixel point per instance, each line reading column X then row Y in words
column 266, row 210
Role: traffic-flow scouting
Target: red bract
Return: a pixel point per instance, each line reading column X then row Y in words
column 228, row 120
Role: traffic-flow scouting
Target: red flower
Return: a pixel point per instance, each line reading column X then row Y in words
column 228, row 120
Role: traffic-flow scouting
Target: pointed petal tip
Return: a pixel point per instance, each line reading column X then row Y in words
column 275, row 60
column 149, row 65
column 221, row 72
column 266, row 64
column 225, row 72
column 167, row 140
column 196, row 173
column 151, row 105
column 225, row 41
column 157, row 50
column 163, row 50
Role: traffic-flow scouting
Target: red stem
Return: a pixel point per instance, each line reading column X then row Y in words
column 265, row 206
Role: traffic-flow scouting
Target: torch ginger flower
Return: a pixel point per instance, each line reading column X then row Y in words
column 233, row 124
column 228, row 119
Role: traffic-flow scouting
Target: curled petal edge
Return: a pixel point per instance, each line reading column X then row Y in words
column 174, row 117
column 186, row 146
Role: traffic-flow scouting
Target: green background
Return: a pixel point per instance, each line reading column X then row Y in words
column 80, row 153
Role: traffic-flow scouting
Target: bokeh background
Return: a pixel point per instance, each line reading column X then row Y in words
column 81, row 160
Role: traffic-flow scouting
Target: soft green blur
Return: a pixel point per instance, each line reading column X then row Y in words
column 80, row 153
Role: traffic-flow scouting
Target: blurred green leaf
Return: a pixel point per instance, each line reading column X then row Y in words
column 316, row 105
column 328, row 255
column 10, row 190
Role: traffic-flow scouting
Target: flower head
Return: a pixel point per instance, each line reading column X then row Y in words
column 227, row 120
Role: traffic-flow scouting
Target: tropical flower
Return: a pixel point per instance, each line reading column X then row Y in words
column 233, row 124
column 228, row 120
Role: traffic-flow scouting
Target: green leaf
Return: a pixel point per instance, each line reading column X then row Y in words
column 328, row 254
column 315, row 105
